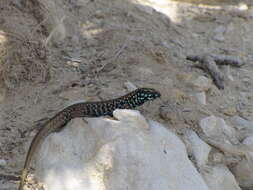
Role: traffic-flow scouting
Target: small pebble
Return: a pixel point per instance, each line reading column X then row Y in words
column 201, row 97
column 3, row 162
column 219, row 33
column 229, row 111
column 201, row 83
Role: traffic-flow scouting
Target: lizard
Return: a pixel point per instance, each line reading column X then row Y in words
column 86, row 109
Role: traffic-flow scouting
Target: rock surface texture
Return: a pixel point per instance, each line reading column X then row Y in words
column 128, row 153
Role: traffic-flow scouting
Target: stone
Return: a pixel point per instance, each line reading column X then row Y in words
column 178, row 95
column 243, row 174
column 209, row 126
column 3, row 162
column 199, row 148
column 220, row 178
column 216, row 127
column 229, row 111
column 201, row 97
column 201, row 83
column 243, row 170
column 130, row 86
column 219, row 33
column 127, row 153
column 227, row 72
column 219, row 37
column 241, row 123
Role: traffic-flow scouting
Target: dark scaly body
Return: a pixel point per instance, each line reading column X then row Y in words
column 87, row 109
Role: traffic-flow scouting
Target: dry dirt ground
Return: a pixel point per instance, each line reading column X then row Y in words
column 55, row 52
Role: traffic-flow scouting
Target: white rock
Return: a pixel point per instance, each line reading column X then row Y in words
column 199, row 148
column 216, row 127
column 219, row 33
column 241, row 123
column 228, row 74
column 220, row 178
column 248, row 141
column 209, row 126
column 3, row 162
column 219, row 37
column 217, row 157
column 128, row 153
column 146, row 9
column 220, row 29
column 201, row 97
column 201, row 83
column 130, row 86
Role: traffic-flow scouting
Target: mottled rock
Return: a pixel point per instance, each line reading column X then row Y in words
column 227, row 72
column 217, row 157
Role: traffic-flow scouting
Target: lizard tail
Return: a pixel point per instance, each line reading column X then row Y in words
column 22, row 180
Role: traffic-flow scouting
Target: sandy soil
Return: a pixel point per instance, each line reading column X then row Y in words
column 52, row 54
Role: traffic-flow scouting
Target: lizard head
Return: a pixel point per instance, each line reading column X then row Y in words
column 146, row 94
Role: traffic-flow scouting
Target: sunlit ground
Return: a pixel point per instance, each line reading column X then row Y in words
column 170, row 7
column 3, row 38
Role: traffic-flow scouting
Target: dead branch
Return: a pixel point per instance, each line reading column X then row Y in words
column 207, row 63
column 228, row 60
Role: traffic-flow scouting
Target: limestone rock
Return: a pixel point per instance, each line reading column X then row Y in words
column 219, row 33
column 243, row 171
column 200, row 149
column 216, row 127
column 3, row 162
column 229, row 111
column 106, row 154
column 241, row 123
column 220, row 178
column 130, row 86
column 201, row 97
column 201, row 83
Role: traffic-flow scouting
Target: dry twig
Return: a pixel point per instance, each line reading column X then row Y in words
column 208, row 64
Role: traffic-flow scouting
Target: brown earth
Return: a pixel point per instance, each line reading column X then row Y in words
column 55, row 52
